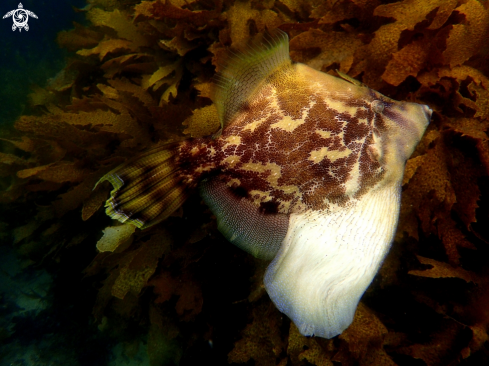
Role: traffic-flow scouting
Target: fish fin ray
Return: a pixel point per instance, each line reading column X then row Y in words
column 241, row 221
column 147, row 188
column 246, row 70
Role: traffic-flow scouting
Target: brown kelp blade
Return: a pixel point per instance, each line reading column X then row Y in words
column 147, row 189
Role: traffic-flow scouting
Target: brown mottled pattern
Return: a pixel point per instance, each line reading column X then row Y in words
column 267, row 150
column 294, row 139
column 196, row 158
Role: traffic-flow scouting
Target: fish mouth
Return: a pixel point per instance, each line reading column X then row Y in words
column 428, row 112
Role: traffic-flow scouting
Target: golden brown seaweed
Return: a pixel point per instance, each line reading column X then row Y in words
column 140, row 75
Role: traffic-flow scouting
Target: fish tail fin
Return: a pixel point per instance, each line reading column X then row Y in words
column 147, row 188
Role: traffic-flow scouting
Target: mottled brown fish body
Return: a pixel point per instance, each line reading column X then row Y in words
column 306, row 171
column 304, row 121
column 296, row 146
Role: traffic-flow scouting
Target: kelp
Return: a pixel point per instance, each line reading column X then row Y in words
column 141, row 74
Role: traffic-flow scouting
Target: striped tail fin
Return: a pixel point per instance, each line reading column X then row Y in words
column 147, row 188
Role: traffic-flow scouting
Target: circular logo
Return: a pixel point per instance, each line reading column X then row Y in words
column 20, row 18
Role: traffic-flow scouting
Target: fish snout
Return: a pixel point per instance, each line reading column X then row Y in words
column 407, row 123
column 428, row 112
column 416, row 118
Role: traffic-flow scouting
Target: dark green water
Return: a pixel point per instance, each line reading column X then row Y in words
column 38, row 327
column 31, row 57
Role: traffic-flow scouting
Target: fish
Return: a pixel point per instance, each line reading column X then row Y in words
column 305, row 172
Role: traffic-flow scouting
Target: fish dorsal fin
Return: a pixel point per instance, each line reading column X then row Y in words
column 246, row 70
column 242, row 222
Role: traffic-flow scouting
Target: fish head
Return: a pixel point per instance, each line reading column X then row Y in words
column 388, row 129
column 398, row 126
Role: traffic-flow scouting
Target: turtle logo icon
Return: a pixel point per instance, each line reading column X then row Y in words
column 20, row 17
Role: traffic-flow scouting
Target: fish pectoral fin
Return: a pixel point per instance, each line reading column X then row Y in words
column 242, row 222
column 328, row 260
column 147, row 189
column 247, row 70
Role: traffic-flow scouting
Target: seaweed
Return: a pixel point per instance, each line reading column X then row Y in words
column 141, row 74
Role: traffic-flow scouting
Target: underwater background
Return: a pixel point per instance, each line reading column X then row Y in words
column 77, row 99
column 31, row 57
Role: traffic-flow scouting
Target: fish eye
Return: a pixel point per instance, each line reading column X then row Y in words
column 377, row 106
